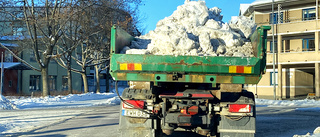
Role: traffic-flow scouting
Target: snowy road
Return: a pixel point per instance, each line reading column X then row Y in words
column 82, row 122
column 286, row 121
column 103, row 121
column 93, row 114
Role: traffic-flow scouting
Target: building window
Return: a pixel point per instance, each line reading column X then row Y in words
column 17, row 31
column 309, row 14
column 275, row 18
column 8, row 56
column 32, row 56
column 272, row 82
column 10, row 83
column 54, row 52
column 79, row 56
column 64, row 82
column 52, row 83
column 275, row 47
column 308, row 44
column 34, row 84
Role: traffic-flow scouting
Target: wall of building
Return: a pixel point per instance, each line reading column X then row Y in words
column 262, row 18
column 55, row 70
column 295, row 83
column 295, row 45
column 294, row 15
column 303, row 83
column 10, row 82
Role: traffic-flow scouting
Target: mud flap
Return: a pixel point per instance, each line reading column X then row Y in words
column 236, row 125
column 244, row 127
column 137, row 127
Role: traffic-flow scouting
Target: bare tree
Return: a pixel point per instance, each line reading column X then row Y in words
column 95, row 31
column 70, row 39
column 71, row 27
column 43, row 21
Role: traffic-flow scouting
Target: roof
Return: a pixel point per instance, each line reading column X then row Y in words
column 257, row 2
column 265, row 5
column 243, row 8
column 10, row 44
column 12, row 37
column 15, row 66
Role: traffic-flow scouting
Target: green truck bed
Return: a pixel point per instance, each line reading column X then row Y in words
column 193, row 69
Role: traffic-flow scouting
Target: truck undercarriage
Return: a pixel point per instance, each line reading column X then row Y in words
column 155, row 111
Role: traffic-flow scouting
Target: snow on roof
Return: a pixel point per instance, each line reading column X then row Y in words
column 10, row 44
column 12, row 37
column 243, row 8
column 246, row 7
column 15, row 66
column 257, row 2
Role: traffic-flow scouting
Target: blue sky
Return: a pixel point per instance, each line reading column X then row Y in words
column 154, row 10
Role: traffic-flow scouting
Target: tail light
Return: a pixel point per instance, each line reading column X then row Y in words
column 193, row 110
column 240, row 108
column 133, row 104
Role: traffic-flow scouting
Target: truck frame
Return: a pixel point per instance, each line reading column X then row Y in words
column 202, row 94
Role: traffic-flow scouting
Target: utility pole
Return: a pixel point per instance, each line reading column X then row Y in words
column 273, row 53
column 1, row 79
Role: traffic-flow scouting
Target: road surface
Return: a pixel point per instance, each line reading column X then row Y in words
column 103, row 122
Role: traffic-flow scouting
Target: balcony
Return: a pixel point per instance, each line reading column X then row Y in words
column 296, row 27
column 295, row 57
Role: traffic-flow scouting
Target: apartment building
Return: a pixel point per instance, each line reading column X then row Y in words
column 11, row 68
column 296, row 40
column 19, row 79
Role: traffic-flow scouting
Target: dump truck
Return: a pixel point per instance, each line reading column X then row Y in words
column 201, row 94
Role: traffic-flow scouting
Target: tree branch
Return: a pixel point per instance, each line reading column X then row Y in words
column 17, row 57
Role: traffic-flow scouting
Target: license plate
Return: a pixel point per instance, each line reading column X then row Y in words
column 134, row 113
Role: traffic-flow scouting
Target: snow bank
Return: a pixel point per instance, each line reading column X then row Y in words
column 194, row 29
column 69, row 101
column 295, row 103
column 72, row 100
column 316, row 133
column 6, row 104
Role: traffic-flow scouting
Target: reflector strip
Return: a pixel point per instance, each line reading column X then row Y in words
column 123, row 66
column 134, row 103
column 247, row 69
column 138, row 66
column 240, row 69
column 130, row 66
column 232, row 69
column 240, row 108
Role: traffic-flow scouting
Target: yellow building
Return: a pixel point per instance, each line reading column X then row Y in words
column 297, row 56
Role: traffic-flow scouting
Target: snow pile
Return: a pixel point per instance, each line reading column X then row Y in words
column 282, row 103
column 194, row 29
column 18, row 121
column 72, row 100
column 6, row 104
column 69, row 101
column 316, row 133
